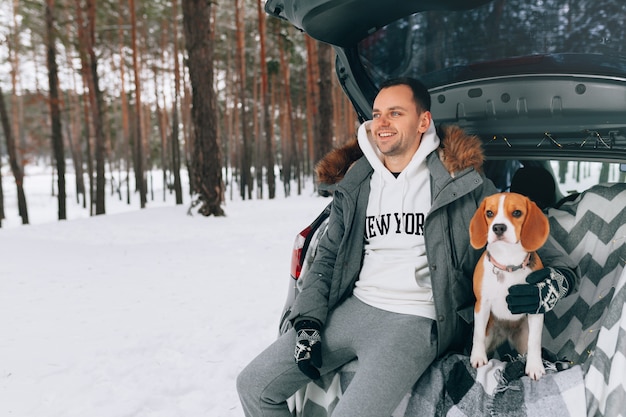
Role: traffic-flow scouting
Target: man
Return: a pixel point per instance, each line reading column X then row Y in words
column 392, row 275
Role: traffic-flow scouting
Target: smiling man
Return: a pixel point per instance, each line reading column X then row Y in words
column 397, row 132
column 393, row 270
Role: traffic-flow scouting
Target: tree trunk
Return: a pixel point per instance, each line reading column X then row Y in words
column 345, row 121
column 98, row 113
column 139, row 151
column 188, row 137
column 285, row 133
column 71, row 127
column 16, row 113
column 175, row 145
column 89, row 62
column 240, row 62
column 293, row 161
column 198, row 24
column 160, row 114
column 324, row 142
column 72, row 123
column 312, row 100
column 88, row 134
column 265, row 107
column 124, row 104
column 17, row 170
column 256, row 134
column 14, row 57
column 55, row 112
column 230, row 147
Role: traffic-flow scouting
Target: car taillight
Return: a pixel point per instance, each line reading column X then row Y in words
column 296, row 254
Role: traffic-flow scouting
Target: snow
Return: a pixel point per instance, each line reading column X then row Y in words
column 139, row 313
column 142, row 312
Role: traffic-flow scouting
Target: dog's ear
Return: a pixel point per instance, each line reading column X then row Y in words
column 478, row 228
column 535, row 229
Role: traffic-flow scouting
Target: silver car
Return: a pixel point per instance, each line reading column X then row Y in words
column 543, row 84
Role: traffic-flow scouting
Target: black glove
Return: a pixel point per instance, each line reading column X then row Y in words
column 544, row 289
column 308, row 352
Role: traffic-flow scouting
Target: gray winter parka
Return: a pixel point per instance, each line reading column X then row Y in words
column 456, row 194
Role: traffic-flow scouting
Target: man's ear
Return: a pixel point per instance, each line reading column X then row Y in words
column 426, row 118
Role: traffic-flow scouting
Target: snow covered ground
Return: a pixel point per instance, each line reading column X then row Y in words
column 142, row 312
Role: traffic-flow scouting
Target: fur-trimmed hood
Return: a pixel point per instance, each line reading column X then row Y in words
column 457, row 151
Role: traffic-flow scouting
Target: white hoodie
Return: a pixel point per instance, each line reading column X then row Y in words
column 395, row 275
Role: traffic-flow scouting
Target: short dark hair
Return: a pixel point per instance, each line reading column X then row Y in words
column 420, row 92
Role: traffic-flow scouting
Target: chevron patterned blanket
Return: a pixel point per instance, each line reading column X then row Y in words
column 587, row 330
column 589, row 327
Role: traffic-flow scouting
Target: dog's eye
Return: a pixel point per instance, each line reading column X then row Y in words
column 517, row 213
column 489, row 214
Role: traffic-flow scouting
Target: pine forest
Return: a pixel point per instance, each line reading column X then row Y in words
column 226, row 99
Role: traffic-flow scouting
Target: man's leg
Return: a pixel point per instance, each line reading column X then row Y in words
column 273, row 376
column 394, row 350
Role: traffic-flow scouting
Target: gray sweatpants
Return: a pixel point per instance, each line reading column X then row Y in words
column 393, row 351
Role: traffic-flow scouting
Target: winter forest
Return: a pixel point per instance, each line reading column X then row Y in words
column 214, row 98
column 118, row 91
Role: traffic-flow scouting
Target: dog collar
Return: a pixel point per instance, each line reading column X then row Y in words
column 509, row 268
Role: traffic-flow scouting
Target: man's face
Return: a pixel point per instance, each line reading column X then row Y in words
column 397, row 123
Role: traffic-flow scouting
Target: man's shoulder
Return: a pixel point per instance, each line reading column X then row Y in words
column 360, row 171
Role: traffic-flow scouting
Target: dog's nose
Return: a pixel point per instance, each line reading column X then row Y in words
column 499, row 229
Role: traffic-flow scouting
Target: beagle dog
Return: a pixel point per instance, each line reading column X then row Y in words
column 513, row 228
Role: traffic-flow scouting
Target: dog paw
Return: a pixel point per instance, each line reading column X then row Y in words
column 535, row 370
column 478, row 359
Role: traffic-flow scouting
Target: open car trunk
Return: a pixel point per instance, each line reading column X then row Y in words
column 540, row 82
column 548, row 75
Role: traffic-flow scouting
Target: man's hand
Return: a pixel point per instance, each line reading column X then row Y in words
column 544, row 289
column 308, row 352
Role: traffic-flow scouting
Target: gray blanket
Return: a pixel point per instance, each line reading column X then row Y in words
column 452, row 387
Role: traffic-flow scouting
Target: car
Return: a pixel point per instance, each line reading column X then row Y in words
column 543, row 84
